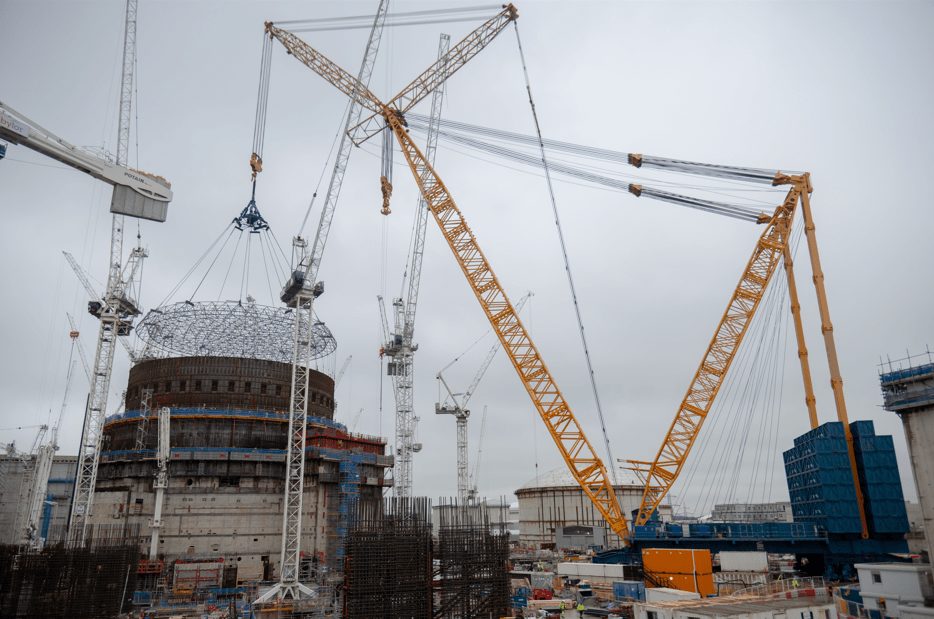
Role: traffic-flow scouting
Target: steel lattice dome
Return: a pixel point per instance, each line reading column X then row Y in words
column 228, row 329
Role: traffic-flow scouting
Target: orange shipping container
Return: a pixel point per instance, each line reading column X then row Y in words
column 687, row 569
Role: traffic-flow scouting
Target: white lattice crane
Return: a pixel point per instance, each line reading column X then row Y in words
column 299, row 293
column 115, row 314
column 458, row 408
column 135, row 194
column 399, row 345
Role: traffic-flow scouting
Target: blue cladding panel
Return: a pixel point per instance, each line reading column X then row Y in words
column 879, row 480
column 820, row 481
column 629, row 589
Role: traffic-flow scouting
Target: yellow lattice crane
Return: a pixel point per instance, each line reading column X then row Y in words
column 772, row 246
column 587, row 468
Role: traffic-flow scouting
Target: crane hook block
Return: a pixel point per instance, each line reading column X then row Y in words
column 386, row 187
column 256, row 164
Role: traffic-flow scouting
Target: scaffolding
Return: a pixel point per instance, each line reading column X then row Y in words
column 388, row 561
column 349, row 496
column 471, row 563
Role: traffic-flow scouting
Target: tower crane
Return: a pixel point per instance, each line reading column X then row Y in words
column 461, row 413
column 299, row 293
column 45, row 455
column 136, row 194
column 399, row 346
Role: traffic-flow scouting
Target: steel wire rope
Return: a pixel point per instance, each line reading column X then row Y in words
column 778, row 380
column 756, row 387
column 194, row 267
column 724, row 208
column 233, row 258
column 776, row 384
column 352, row 22
column 752, row 384
column 325, row 167
column 796, row 235
column 567, row 264
column 721, row 413
column 758, row 392
column 286, row 262
column 765, row 409
column 262, row 248
column 524, row 158
column 726, row 396
column 615, row 187
column 245, row 274
column 418, row 120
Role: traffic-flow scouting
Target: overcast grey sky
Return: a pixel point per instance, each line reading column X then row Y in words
column 841, row 89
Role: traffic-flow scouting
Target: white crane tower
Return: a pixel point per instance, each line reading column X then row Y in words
column 399, row 345
column 300, row 292
column 458, row 408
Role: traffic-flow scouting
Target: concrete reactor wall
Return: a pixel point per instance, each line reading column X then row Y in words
column 228, row 436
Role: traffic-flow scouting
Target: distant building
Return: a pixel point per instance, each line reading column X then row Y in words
column 752, row 512
column 554, row 500
column 16, row 479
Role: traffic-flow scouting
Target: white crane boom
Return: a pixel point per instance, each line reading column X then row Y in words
column 137, row 194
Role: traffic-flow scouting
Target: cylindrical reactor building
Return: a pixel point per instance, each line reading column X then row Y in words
column 553, row 504
column 228, row 437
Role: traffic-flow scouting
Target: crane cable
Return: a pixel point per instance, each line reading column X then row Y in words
column 564, row 253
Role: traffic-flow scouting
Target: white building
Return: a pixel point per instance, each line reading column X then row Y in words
column 896, row 589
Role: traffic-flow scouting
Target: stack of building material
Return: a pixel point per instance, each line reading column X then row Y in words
column 687, row 570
